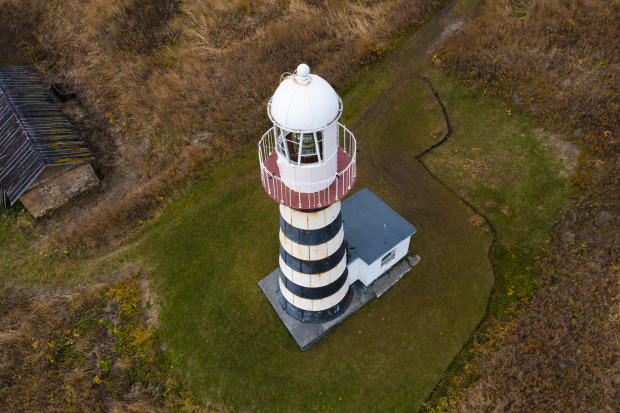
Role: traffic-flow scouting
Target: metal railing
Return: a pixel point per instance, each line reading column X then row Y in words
column 335, row 187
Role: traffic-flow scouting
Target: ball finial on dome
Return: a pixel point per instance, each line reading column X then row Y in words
column 314, row 108
column 303, row 72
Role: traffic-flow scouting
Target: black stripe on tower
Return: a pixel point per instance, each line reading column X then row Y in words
column 307, row 211
column 315, row 293
column 313, row 267
column 323, row 316
column 311, row 236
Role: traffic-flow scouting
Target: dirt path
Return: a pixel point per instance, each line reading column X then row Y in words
column 408, row 66
column 411, row 58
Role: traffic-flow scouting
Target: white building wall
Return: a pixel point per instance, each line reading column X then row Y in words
column 310, row 220
column 308, row 178
column 367, row 274
column 375, row 270
column 357, row 270
column 330, row 140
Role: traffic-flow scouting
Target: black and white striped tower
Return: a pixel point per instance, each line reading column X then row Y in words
column 307, row 164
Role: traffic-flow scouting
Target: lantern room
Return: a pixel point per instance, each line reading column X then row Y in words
column 307, row 156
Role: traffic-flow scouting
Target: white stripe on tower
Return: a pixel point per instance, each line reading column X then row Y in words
column 310, row 220
column 312, row 252
column 317, row 304
column 314, row 280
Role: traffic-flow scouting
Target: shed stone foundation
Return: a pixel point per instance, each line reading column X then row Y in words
column 56, row 185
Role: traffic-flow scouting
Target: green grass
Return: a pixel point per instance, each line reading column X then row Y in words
column 212, row 247
column 497, row 161
column 209, row 250
column 499, row 165
column 21, row 264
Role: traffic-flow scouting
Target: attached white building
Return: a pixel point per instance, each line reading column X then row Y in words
column 377, row 237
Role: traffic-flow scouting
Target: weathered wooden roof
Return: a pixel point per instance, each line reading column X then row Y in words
column 34, row 133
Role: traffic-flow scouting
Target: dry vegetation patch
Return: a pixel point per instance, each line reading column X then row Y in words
column 151, row 76
column 559, row 61
column 88, row 351
column 561, row 353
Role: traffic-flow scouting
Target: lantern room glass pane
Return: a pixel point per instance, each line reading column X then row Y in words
column 280, row 141
column 302, row 147
column 319, row 140
column 306, row 140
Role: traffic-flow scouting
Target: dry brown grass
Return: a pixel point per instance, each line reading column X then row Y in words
column 558, row 59
column 561, row 352
column 151, row 76
column 88, row 351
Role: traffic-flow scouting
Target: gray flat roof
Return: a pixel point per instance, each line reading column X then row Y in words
column 371, row 227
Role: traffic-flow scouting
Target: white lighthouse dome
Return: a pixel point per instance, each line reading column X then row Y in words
column 304, row 102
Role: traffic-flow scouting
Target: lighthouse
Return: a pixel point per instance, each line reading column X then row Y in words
column 335, row 255
column 307, row 163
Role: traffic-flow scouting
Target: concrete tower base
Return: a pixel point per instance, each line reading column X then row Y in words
column 306, row 334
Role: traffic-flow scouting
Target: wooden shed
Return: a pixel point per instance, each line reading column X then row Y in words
column 43, row 160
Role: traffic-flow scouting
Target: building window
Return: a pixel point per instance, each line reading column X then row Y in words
column 388, row 257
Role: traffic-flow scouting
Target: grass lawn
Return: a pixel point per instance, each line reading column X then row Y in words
column 22, row 265
column 511, row 171
column 209, row 250
column 500, row 165
column 212, row 247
